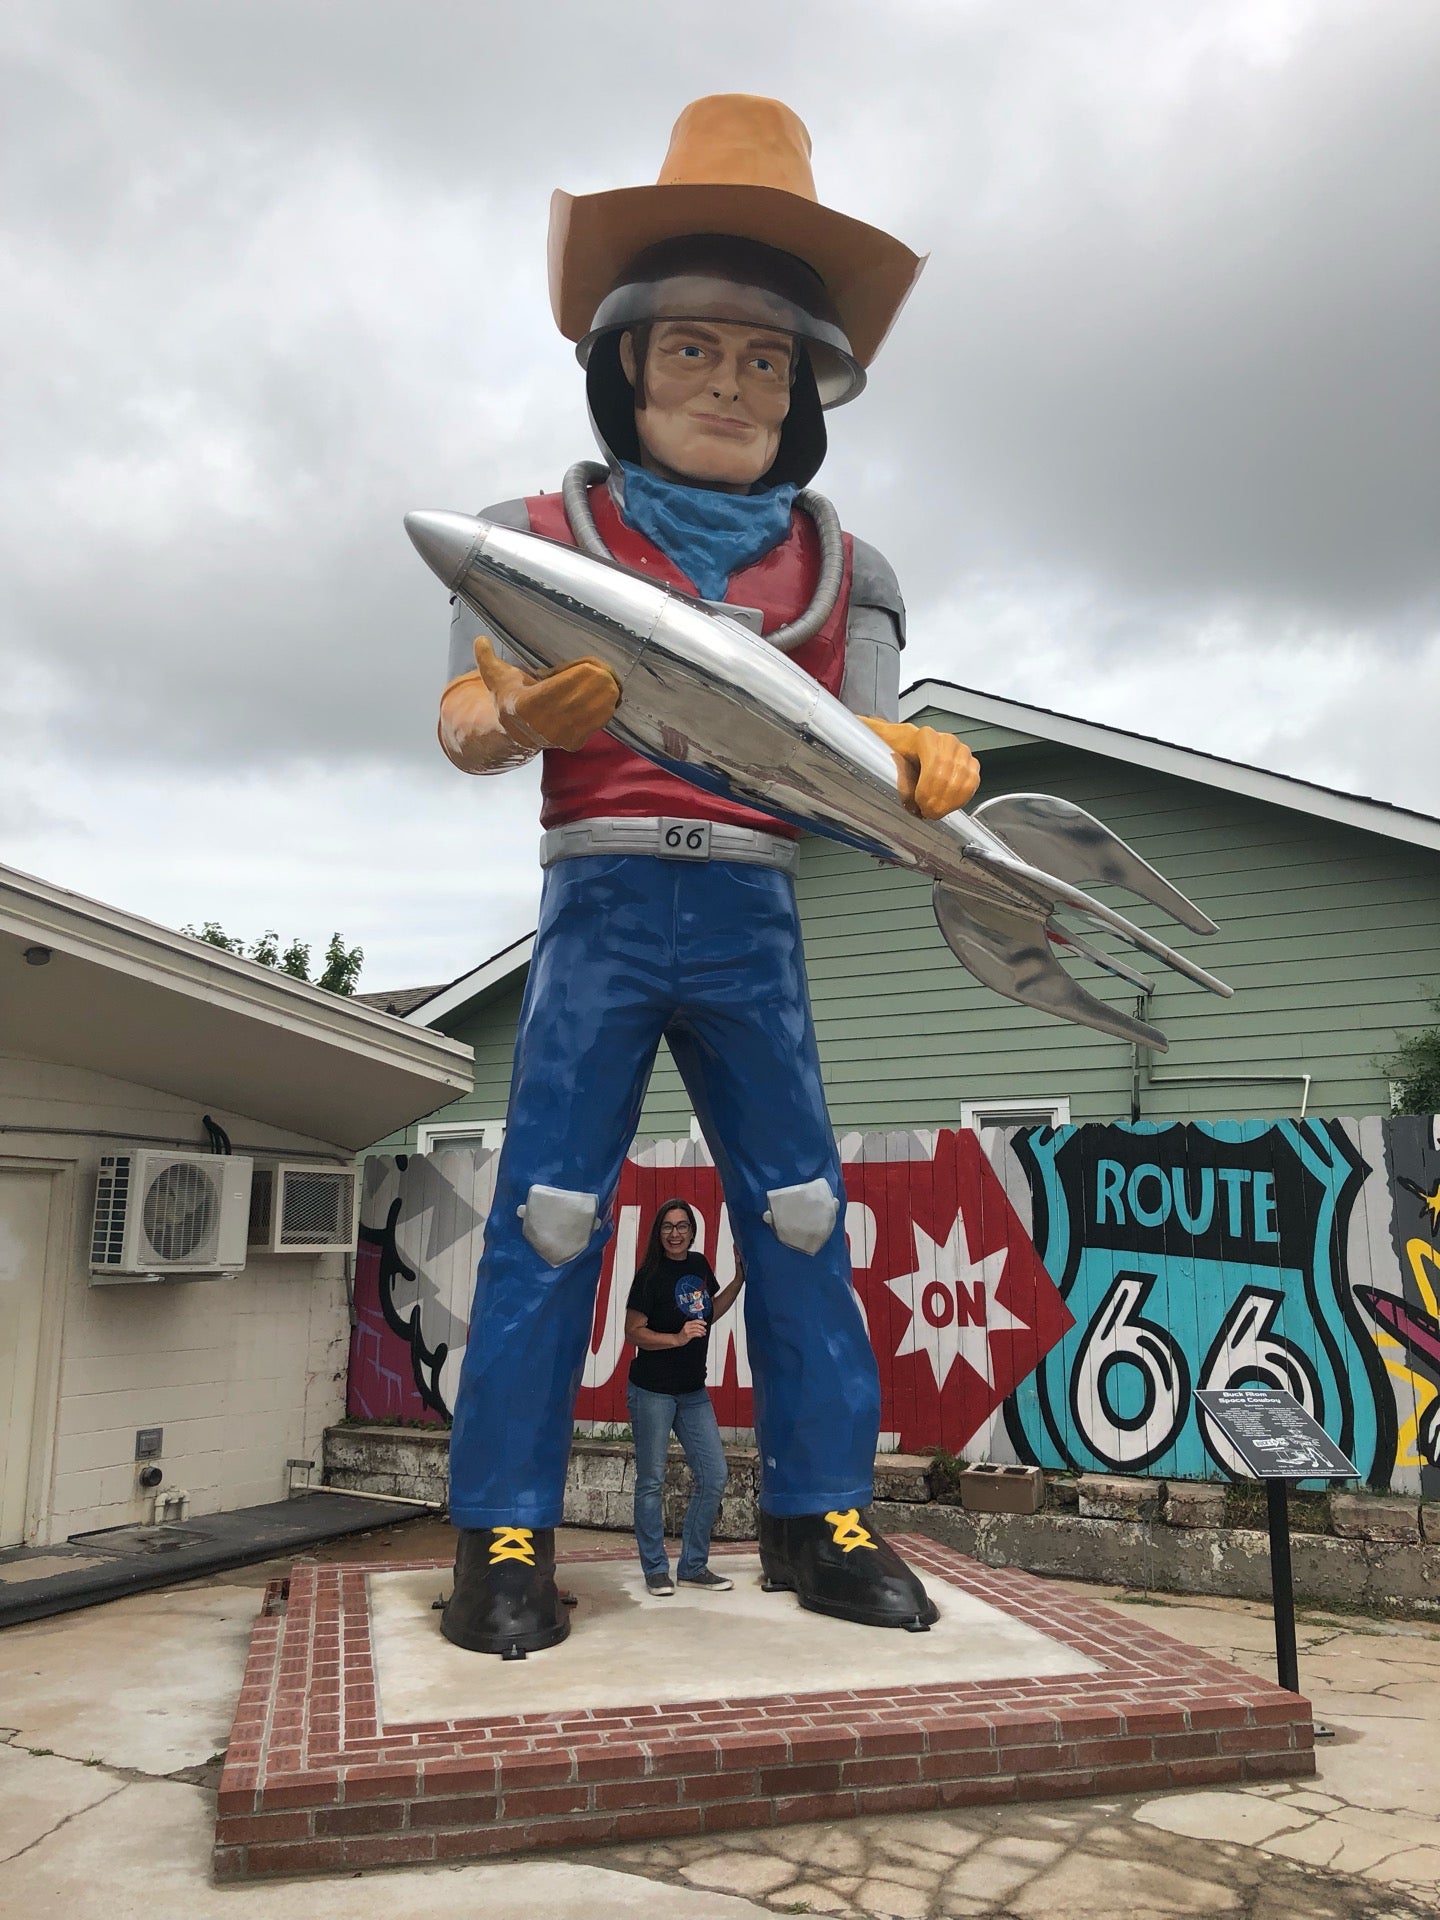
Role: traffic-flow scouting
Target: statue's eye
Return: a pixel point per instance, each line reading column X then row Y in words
column 765, row 366
column 692, row 353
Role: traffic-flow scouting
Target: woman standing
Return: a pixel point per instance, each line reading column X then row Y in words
column 673, row 1303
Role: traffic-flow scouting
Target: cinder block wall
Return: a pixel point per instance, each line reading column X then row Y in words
column 242, row 1373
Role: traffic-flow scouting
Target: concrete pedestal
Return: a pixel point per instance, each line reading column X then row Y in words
column 364, row 1739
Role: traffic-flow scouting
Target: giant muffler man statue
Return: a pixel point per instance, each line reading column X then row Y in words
column 718, row 315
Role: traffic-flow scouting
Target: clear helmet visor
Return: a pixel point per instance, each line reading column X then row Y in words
column 728, row 281
column 736, row 282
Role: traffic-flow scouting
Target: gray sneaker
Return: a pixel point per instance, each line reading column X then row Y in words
column 660, row 1584
column 710, row 1582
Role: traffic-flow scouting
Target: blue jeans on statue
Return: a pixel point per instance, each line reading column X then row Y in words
column 707, row 955
column 653, row 1416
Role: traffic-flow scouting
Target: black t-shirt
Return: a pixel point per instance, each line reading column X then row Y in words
column 681, row 1290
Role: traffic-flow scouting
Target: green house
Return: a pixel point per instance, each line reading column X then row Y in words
column 1329, row 913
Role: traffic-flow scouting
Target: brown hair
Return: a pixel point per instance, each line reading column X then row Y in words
column 654, row 1253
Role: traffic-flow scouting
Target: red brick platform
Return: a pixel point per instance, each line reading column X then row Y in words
column 313, row 1781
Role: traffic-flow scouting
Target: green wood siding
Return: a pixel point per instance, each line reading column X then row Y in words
column 1329, row 935
column 981, row 736
column 490, row 1029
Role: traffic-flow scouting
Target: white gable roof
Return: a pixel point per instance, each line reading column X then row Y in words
column 500, row 966
column 1207, row 769
column 121, row 996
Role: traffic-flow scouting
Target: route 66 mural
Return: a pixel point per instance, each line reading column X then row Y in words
column 1049, row 1295
column 1207, row 1254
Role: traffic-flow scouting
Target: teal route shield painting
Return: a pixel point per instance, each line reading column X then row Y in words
column 1199, row 1254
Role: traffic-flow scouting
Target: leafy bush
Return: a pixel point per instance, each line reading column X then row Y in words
column 1414, row 1070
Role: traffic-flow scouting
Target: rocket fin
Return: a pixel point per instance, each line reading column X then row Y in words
column 1007, row 946
column 1060, row 838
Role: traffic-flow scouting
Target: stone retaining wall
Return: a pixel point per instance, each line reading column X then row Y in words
column 1375, row 1552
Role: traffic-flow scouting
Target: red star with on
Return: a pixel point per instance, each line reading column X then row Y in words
column 959, row 1304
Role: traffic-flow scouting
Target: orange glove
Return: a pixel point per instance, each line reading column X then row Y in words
column 500, row 716
column 936, row 772
column 561, row 710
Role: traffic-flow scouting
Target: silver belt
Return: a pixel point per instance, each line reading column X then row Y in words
column 670, row 840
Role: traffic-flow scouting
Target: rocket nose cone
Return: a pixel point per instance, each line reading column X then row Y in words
column 444, row 541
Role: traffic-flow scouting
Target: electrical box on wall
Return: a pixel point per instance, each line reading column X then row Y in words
column 161, row 1216
column 304, row 1209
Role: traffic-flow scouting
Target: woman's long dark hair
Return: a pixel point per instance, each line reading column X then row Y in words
column 650, row 1266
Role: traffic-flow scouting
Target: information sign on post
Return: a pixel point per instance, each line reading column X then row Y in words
column 1278, row 1441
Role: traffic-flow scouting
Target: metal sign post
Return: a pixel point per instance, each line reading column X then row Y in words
column 1282, row 1585
column 1276, row 1441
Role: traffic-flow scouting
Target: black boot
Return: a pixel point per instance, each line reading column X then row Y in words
column 838, row 1564
column 505, row 1599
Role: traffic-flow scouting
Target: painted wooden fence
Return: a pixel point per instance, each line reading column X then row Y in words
column 1052, row 1295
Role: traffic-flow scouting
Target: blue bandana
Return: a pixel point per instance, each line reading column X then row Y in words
column 708, row 535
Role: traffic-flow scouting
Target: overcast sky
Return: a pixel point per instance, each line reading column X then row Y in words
column 1157, row 441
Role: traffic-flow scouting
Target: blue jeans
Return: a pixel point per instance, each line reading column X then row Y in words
column 692, row 1417
column 707, row 955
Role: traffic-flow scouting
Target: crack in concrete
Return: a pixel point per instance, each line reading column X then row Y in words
column 1266, row 1886
column 63, row 1822
column 204, row 1773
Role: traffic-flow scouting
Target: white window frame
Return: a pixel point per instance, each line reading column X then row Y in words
column 431, row 1135
column 975, row 1114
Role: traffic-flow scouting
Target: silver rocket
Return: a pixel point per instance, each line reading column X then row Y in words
column 709, row 700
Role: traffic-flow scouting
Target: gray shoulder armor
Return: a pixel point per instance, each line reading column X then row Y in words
column 464, row 627
column 509, row 513
column 873, row 584
column 874, row 635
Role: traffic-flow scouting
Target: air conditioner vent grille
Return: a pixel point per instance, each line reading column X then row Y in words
column 182, row 1211
column 107, row 1244
column 316, row 1209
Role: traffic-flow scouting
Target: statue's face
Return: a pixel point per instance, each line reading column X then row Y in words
column 710, row 400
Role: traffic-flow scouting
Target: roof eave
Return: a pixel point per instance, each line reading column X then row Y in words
column 1185, row 763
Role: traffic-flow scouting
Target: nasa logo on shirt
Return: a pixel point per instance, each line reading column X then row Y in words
column 692, row 1298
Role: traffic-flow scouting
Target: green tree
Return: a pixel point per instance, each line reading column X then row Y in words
column 296, row 960
column 1414, row 1069
column 339, row 974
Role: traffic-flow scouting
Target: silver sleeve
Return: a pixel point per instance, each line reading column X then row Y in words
column 874, row 636
column 872, row 665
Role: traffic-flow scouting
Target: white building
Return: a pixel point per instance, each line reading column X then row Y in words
column 117, row 1037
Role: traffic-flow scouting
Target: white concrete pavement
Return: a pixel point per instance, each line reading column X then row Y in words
column 112, row 1721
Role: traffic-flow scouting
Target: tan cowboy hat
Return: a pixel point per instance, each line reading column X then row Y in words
column 738, row 165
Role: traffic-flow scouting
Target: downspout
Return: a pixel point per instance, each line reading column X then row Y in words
column 1141, row 1076
column 1302, row 1080
column 1137, row 1073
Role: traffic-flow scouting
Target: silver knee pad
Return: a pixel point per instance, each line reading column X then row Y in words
column 558, row 1223
column 803, row 1217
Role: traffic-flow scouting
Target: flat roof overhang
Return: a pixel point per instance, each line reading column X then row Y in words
column 124, row 997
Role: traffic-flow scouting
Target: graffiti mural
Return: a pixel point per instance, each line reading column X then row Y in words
column 1050, row 1295
column 958, row 1305
column 1406, row 1316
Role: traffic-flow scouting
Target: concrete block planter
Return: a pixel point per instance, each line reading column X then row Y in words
column 1194, row 1503
column 1111, row 1497
column 1371, row 1552
column 991, row 1489
column 1374, row 1516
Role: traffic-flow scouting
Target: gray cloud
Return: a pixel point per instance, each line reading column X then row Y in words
column 1166, row 402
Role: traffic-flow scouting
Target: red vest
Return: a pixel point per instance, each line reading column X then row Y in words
column 604, row 778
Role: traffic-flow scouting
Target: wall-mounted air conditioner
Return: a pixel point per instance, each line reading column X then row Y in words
column 160, row 1216
column 304, row 1209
